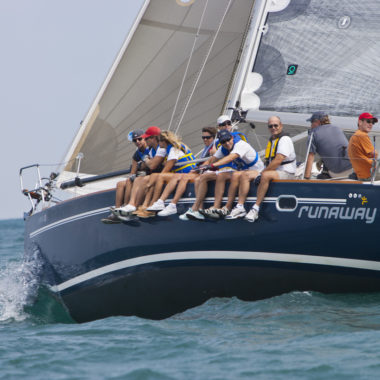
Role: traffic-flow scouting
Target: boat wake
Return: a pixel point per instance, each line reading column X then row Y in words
column 19, row 284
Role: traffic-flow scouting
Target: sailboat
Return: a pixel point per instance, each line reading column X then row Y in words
column 183, row 63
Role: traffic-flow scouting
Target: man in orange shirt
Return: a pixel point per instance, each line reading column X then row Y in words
column 360, row 148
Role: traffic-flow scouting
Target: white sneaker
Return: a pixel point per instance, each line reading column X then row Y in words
column 126, row 210
column 157, row 206
column 237, row 212
column 252, row 215
column 170, row 209
column 194, row 215
column 184, row 216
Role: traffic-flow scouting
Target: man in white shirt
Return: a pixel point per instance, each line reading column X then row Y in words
column 233, row 151
column 280, row 161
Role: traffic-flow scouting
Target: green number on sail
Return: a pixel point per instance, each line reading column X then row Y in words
column 292, row 69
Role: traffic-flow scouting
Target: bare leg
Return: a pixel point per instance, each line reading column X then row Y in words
column 127, row 192
column 220, row 185
column 201, row 191
column 138, row 189
column 244, row 184
column 181, row 187
column 170, row 187
column 120, row 190
column 234, row 183
column 163, row 177
column 266, row 178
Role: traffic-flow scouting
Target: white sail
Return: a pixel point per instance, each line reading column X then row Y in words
column 319, row 55
column 172, row 45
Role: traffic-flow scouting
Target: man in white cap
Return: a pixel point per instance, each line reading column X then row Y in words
column 361, row 151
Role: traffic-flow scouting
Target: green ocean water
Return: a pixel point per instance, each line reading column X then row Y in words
column 301, row 335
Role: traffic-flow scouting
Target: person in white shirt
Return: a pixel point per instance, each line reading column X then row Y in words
column 179, row 182
column 280, row 161
column 233, row 151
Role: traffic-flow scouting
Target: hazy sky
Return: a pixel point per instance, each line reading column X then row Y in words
column 54, row 58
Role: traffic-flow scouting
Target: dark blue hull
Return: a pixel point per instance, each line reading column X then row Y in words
column 310, row 236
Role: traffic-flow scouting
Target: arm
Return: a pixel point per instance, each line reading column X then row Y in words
column 275, row 163
column 309, row 165
column 154, row 162
column 227, row 159
column 168, row 166
column 134, row 167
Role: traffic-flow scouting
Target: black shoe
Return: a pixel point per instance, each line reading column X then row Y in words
column 323, row 176
column 111, row 219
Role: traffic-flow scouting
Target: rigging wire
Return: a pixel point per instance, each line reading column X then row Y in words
column 188, row 65
column 203, row 66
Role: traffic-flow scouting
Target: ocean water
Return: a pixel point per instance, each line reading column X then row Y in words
column 301, row 335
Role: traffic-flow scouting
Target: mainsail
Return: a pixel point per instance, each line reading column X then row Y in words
column 321, row 55
column 171, row 45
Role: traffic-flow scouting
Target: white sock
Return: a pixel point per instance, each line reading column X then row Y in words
column 239, row 205
column 256, row 207
column 172, row 205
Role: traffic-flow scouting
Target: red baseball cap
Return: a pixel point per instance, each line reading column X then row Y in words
column 151, row 131
column 367, row 115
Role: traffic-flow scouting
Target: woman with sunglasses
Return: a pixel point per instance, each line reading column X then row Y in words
column 176, row 152
column 180, row 181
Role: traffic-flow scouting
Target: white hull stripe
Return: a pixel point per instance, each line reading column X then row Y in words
column 183, row 200
column 68, row 220
column 219, row 255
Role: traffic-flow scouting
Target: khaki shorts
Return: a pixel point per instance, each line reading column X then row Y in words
column 345, row 173
column 285, row 175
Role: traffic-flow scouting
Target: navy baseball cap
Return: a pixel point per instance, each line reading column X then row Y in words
column 135, row 134
column 224, row 136
column 319, row 115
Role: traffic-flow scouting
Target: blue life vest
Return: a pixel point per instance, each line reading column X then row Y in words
column 238, row 162
column 188, row 156
column 238, row 136
column 143, row 154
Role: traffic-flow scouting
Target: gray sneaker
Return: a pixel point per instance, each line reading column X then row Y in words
column 111, row 219
column 211, row 212
column 236, row 213
column 223, row 212
column 252, row 216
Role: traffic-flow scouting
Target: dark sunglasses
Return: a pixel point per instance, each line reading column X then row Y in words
column 273, row 126
column 137, row 139
column 206, row 137
column 369, row 121
column 222, row 124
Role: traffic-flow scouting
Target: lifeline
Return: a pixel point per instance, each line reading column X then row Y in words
column 348, row 213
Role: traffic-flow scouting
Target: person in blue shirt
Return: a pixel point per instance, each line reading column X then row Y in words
column 123, row 188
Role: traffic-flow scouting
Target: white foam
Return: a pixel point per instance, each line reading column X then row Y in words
column 19, row 282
